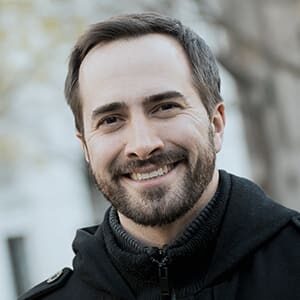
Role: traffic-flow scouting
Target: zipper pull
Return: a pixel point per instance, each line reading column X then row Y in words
column 161, row 259
column 164, row 282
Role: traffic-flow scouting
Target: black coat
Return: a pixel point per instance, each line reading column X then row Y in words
column 256, row 257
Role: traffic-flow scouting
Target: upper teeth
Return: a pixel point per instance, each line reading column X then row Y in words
column 143, row 176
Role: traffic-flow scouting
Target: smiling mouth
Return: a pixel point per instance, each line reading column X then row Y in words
column 161, row 171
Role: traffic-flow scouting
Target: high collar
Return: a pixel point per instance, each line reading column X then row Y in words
column 251, row 218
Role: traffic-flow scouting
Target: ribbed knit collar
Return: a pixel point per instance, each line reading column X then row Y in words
column 189, row 255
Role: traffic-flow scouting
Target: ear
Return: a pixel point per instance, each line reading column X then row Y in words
column 83, row 146
column 218, row 121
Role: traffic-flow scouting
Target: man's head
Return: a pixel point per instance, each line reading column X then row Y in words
column 203, row 66
column 146, row 131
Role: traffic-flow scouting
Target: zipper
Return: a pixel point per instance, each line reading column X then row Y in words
column 163, row 275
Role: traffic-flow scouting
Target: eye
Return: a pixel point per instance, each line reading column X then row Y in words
column 166, row 108
column 110, row 121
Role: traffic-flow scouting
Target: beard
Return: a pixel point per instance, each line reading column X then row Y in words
column 164, row 204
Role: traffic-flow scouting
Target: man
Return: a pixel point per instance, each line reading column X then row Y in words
column 145, row 93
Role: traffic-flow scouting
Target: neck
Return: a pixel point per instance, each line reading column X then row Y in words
column 158, row 236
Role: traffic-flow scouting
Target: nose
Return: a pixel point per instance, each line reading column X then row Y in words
column 143, row 140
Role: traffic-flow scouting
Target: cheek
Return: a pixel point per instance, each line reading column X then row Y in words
column 192, row 135
column 187, row 131
column 103, row 151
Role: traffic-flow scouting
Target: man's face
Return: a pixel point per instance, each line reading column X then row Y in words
column 147, row 136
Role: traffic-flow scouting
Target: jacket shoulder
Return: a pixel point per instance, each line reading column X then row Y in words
column 46, row 287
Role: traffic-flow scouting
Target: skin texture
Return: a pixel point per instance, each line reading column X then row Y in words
column 142, row 113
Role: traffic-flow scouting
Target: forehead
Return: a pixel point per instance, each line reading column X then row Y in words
column 135, row 67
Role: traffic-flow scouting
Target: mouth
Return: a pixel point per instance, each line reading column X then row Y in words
column 151, row 172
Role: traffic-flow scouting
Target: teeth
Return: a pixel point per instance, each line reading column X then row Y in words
column 134, row 176
column 144, row 176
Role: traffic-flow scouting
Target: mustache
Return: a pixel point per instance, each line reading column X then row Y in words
column 118, row 168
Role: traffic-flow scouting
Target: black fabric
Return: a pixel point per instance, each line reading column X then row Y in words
column 243, row 248
column 47, row 287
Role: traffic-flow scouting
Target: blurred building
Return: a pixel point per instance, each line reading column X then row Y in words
column 45, row 194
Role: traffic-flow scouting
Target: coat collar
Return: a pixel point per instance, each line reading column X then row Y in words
column 94, row 266
column 250, row 219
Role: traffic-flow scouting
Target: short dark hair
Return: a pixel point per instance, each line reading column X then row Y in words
column 203, row 65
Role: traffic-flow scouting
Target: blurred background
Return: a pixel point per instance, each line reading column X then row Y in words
column 45, row 189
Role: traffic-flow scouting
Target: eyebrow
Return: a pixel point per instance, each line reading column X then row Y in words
column 108, row 108
column 163, row 96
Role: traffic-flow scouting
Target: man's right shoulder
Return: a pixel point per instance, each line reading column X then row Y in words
column 53, row 283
